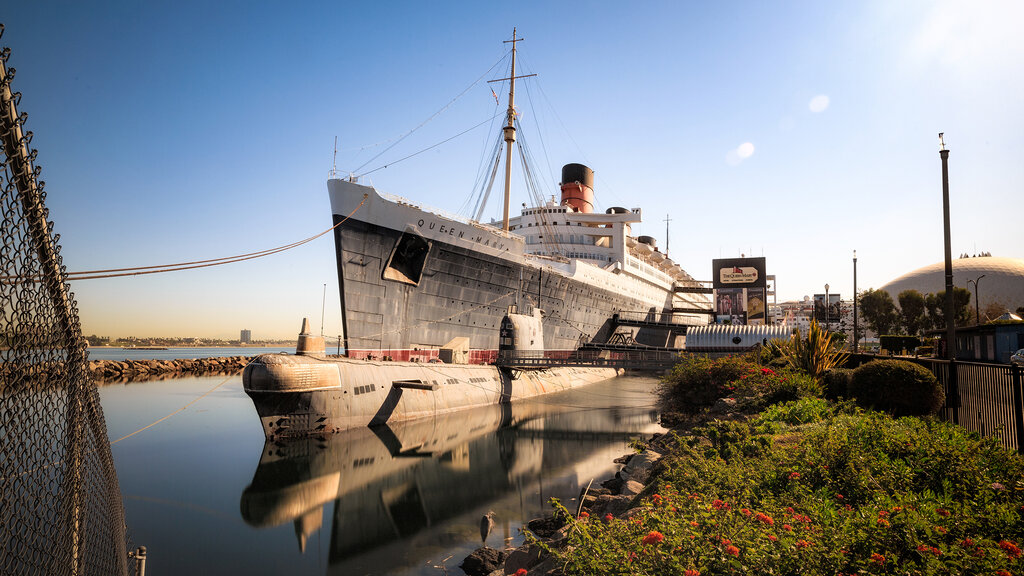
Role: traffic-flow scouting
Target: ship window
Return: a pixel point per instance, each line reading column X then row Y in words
column 407, row 259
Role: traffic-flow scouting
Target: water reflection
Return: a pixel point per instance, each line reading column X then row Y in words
column 400, row 483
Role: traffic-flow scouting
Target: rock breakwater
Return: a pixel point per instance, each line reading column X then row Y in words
column 138, row 370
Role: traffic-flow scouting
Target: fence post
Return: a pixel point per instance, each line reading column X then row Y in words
column 953, row 394
column 1018, row 406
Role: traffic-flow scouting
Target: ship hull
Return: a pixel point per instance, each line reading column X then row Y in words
column 465, row 282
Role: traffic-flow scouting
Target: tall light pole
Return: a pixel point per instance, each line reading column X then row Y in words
column 950, row 324
column 828, row 313
column 952, row 386
column 855, row 347
column 977, row 306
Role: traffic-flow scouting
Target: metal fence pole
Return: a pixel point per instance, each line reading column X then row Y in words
column 1018, row 405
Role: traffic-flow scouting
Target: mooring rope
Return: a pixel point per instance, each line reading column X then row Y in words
column 141, row 270
column 130, row 434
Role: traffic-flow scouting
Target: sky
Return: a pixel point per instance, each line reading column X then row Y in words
column 798, row 131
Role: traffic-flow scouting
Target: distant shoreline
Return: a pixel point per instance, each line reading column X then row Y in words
column 172, row 347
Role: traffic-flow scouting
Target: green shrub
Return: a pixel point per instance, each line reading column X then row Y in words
column 803, row 411
column 896, row 386
column 835, row 383
column 697, row 381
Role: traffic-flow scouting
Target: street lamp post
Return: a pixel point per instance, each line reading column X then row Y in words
column 950, row 326
column 953, row 394
column 828, row 313
column 977, row 306
column 855, row 347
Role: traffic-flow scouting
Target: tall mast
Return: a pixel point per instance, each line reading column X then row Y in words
column 509, row 130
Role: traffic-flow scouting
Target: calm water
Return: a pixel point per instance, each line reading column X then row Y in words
column 176, row 353
column 205, row 495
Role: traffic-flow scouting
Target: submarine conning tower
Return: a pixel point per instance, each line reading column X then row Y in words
column 578, row 187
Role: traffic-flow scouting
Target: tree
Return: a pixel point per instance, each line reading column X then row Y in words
column 879, row 311
column 991, row 311
column 913, row 311
column 936, row 304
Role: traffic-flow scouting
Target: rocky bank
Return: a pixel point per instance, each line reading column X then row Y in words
column 138, row 370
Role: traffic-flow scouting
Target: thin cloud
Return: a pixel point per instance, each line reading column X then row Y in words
column 740, row 153
column 819, row 103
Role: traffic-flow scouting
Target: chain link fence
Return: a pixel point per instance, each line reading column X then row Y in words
column 60, row 504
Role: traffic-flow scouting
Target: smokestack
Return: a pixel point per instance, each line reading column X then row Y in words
column 578, row 187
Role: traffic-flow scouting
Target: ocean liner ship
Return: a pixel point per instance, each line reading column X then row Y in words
column 428, row 299
column 414, row 278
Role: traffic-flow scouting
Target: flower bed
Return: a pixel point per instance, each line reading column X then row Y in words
column 809, row 486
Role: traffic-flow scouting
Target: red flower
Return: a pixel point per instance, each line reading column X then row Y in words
column 942, row 512
column 936, row 551
column 967, row 542
column 726, row 541
column 802, row 543
column 745, row 511
column 923, row 548
column 521, row 572
column 883, row 522
column 940, row 529
column 691, row 572
column 653, row 537
column 584, row 514
column 839, row 496
column 772, row 537
column 787, row 527
column 693, row 523
column 1003, row 573
column 877, row 558
column 608, row 517
column 719, row 505
column 1011, row 549
column 767, row 371
column 761, row 517
column 789, row 509
column 794, row 475
column 732, row 551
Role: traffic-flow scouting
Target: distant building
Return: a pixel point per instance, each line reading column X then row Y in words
column 245, row 337
column 1000, row 281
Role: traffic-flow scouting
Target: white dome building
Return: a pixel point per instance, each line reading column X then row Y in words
column 1003, row 281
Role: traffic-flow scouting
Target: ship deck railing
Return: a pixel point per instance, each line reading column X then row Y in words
column 678, row 319
column 630, row 359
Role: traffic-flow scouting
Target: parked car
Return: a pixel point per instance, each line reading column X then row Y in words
column 1017, row 358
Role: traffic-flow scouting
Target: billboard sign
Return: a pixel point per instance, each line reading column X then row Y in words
column 740, row 290
column 739, row 272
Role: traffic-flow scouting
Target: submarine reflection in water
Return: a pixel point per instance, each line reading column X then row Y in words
column 391, row 482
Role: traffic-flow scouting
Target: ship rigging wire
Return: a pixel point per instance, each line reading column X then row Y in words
column 141, row 270
column 431, row 147
column 432, row 116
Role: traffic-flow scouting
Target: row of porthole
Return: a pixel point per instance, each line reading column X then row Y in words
column 365, row 388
